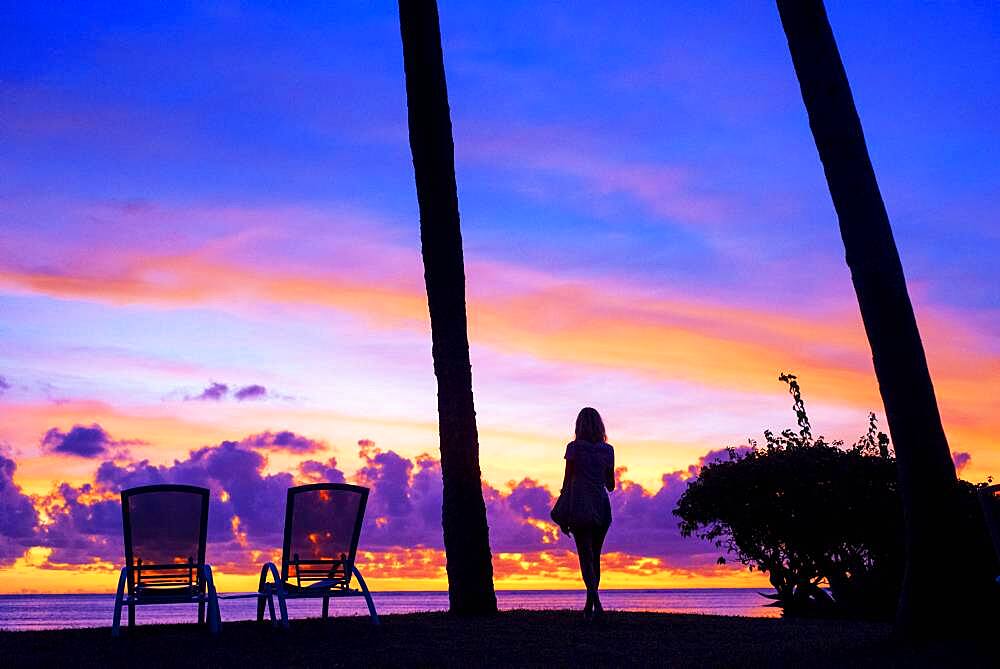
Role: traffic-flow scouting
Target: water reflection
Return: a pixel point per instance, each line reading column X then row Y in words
column 23, row 612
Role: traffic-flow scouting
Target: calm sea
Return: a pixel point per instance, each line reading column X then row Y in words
column 34, row 612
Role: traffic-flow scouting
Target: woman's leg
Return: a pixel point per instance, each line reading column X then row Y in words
column 584, row 550
column 596, row 546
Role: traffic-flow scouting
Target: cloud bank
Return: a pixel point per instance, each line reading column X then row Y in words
column 18, row 518
column 402, row 523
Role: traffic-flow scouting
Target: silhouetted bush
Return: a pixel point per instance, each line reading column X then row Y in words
column 823, row 521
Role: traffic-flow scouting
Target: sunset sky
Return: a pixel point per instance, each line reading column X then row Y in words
column 210, row 267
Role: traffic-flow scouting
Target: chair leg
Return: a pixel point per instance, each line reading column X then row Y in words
column 282, row 608
column 367, row 594
column 131, row 615
column 116, row 621
column 261, row 596
column 326, row 608
column 214, row 615
column 201, row 613
column 217, row 618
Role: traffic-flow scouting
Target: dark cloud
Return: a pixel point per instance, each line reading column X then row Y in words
column 644, row 523
column 86, row 526
column 18, row 518
column 404, row 508
column 530, row 500
column 313, row 471
column 247, row 508
column 246, row 512
column 519, row 517
column 961, row 459
column 81, row 441
column 3, row 385
column 251, row 392
column 283, row 441
column 405, row 511
column 214, row 392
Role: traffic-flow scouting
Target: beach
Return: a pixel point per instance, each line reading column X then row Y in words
column 512, row 638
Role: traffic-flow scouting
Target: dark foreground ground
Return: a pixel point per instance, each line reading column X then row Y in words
column 515, row 638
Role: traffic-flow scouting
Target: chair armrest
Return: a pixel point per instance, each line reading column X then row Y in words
column 272, row 569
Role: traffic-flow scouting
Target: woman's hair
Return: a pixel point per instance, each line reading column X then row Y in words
column 590, row 427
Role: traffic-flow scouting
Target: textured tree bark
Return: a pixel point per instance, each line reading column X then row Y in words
column 927, row 476
column 466, row 534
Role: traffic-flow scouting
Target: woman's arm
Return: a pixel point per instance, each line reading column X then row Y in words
column 567, row 476
column 609, row 474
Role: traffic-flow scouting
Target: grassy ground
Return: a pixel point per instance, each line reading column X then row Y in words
column 515, row 638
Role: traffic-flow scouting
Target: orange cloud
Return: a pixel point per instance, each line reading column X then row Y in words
column 537, row 314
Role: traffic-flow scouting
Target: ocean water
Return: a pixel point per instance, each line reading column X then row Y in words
column 35, row 612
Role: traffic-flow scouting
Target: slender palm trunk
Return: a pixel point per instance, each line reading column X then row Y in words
column 466, row 534
column 927, row 477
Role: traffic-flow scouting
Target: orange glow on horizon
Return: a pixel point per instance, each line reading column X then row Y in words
column 713, row 344
column 403, row 570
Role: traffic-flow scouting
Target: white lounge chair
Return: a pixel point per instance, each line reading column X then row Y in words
column 322, row 528
column 165, row 529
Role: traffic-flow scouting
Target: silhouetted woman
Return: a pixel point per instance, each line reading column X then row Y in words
column 590, row 476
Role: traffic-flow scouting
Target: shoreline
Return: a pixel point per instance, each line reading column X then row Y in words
column 443, row 591
column 38, row 612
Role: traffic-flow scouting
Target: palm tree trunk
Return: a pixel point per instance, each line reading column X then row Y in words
column 466, row 534
column 926, row 472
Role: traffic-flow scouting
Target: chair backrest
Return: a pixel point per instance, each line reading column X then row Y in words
column 322, row 528
column 989, row 497
column 165, row 530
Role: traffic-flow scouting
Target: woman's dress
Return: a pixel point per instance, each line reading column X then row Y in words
column 590, row 506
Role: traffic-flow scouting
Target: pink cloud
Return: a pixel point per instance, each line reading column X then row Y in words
column 667, row 191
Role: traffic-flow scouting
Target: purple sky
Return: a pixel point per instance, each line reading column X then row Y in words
column 209, row 234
